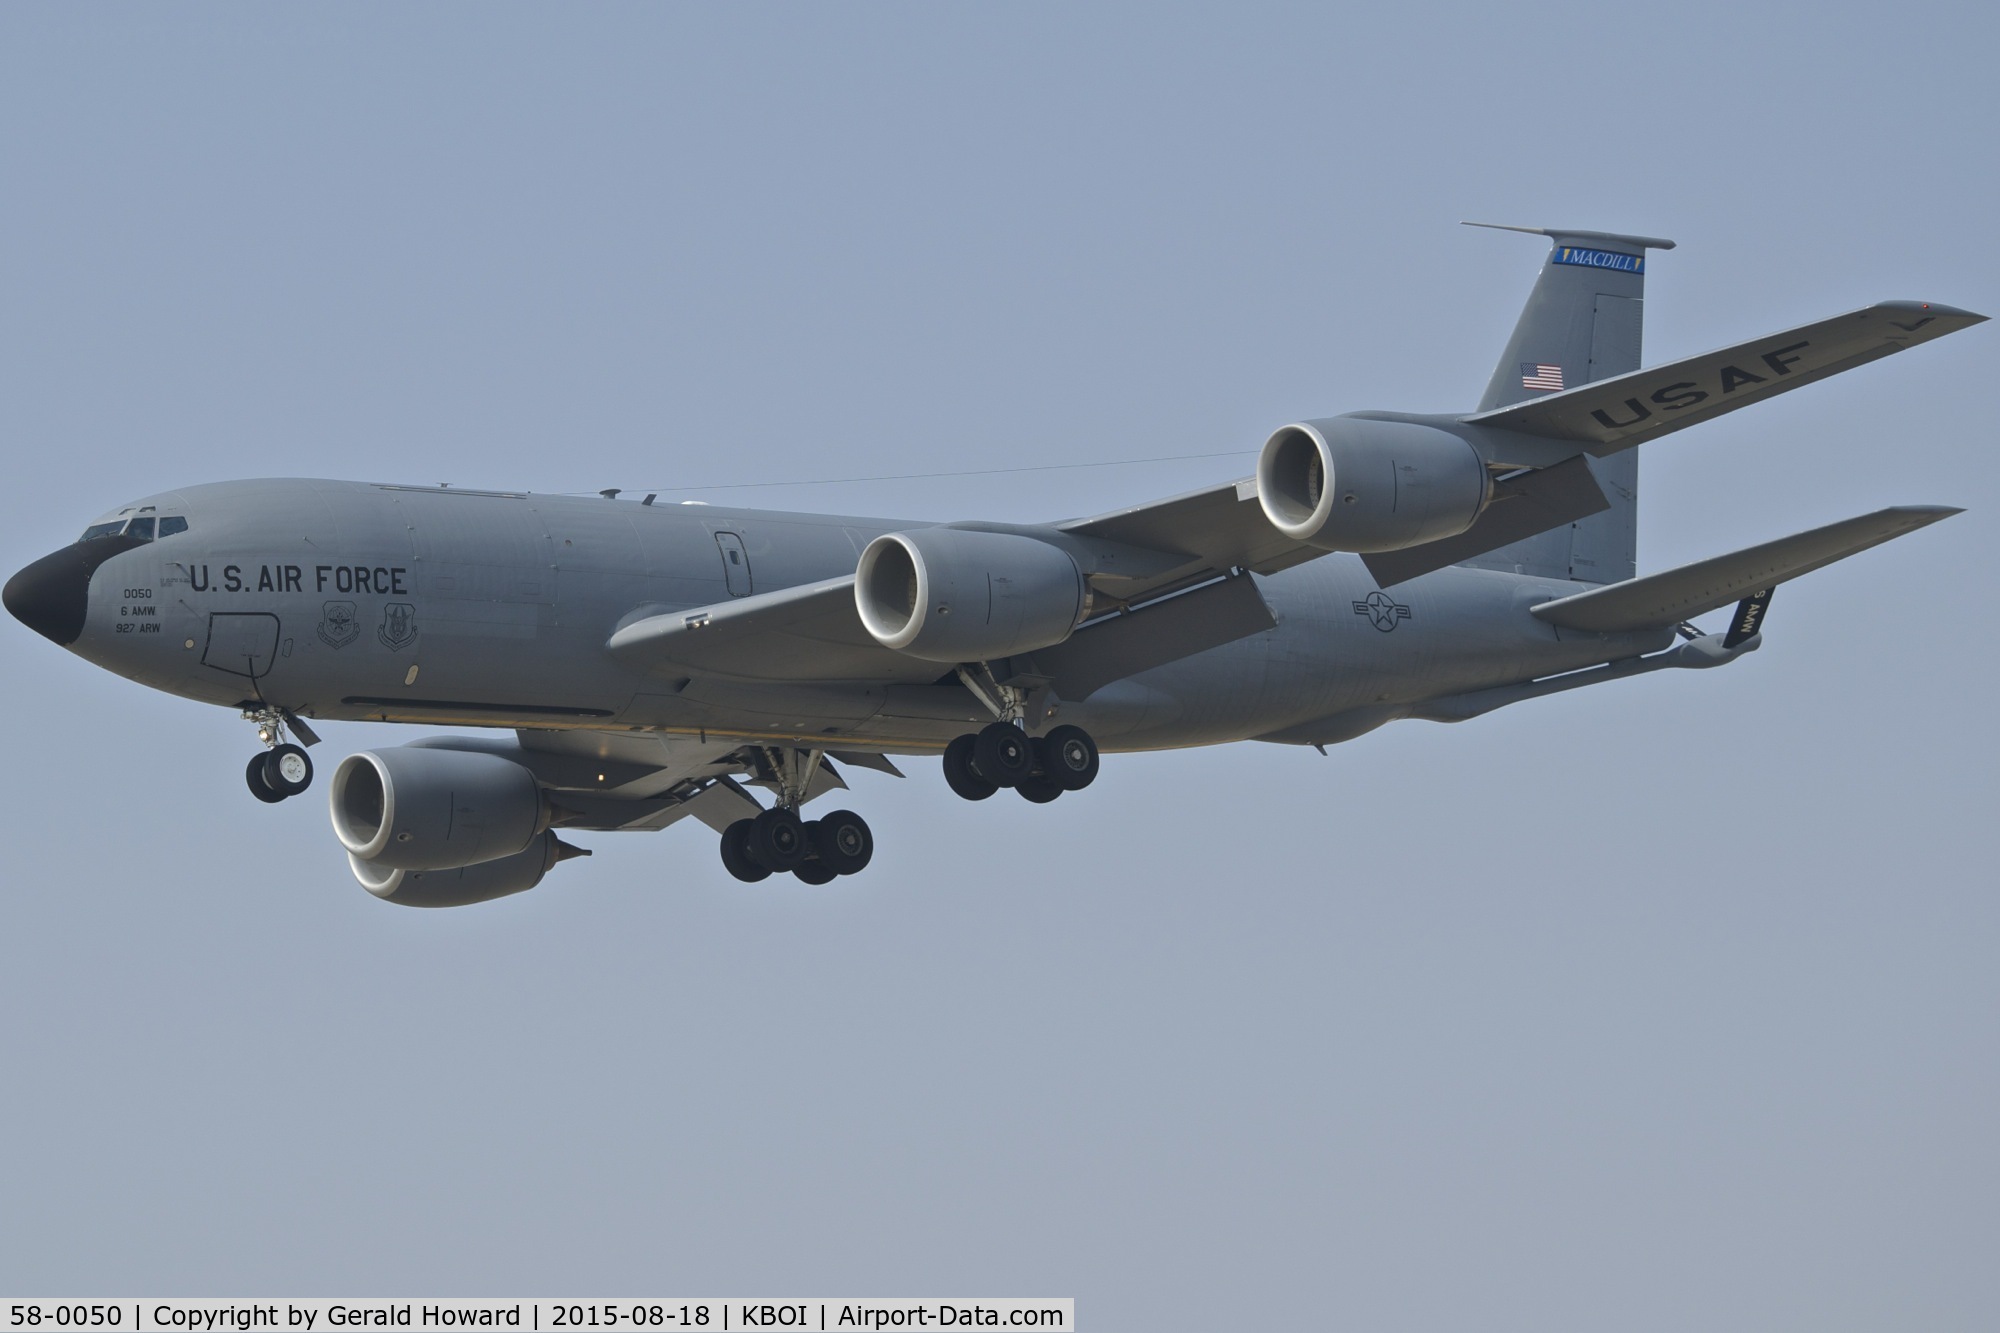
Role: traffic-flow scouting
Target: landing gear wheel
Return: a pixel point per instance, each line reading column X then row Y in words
column 1002, row 754
column 260, row 786
column 287, row 770
column 842, row 842
column 958, row 772
column 1068, row 757
column 814, row 872
column 1038, row 789
column 777, row 841
column 736, row 853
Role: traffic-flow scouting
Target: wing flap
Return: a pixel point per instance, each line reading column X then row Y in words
column 1522, row 506
column 1617, row 413
column 1214, row 530
column 1658, row 601
column 1154, row 635
column 808, row 633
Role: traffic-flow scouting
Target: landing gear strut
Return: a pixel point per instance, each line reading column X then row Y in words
column 1040, row 768
column 284, row 769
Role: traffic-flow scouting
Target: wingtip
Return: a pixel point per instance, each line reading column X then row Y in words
column 1920, row 515
column 1937, row 310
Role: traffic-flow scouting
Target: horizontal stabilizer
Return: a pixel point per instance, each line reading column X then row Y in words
column 1522, row 506
column 1614, row 414
column 1662, row 600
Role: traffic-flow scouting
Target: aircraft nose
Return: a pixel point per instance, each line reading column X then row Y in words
column 51, row 596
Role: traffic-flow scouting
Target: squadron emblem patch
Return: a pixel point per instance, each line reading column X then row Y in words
column 337, row 624
column 399, row 626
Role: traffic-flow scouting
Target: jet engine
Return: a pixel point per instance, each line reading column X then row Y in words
column 415, row 808
column 1345, row 484
column 463, row 885
column 962, row 595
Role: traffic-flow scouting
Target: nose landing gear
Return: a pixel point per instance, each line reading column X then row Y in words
column 278, row 773
column 284, row 769
column 1040, row 768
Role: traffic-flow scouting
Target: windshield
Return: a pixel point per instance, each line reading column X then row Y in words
column 145, row 528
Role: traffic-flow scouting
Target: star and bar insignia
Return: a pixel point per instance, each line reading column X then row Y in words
column 1382, row 610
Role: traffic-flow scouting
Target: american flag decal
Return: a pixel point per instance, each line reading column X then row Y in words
column 1534, row 376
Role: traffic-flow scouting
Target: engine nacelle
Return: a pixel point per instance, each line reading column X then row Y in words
column 463, row 885
column 960, row 595
column 1344, row 484
column 414, row 808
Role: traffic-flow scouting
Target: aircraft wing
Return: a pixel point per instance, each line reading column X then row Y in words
column 1658, row 601
column 1614, row 414
column 1221, row 528
column 1171, row 557
column 1186, row 540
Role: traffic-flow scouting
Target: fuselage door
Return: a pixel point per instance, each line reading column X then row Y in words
column 241, row 643
column 735, row 564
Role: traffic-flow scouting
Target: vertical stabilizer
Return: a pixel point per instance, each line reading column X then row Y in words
column 1583, row 322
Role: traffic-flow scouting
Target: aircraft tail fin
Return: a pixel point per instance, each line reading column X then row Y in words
column 1583, row 319
column 1582, row 323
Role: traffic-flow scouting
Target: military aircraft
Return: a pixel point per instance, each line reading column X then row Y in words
column 660, row 662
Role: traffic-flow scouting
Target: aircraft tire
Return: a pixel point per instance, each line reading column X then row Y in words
column 815, row 872
column 1002, row 754
column 777, row 841
column 260, row 786
column 1068, row 757
column 288, row 770
column 736, row 854
column 958, row 773
column 842, row 842
column 1039, row 789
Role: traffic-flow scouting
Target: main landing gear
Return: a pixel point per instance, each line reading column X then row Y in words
column 1040, row 768
column 777, row 842
column 284, row 769
column 814, row 851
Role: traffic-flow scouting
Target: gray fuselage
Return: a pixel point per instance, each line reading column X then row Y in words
column 357, row 601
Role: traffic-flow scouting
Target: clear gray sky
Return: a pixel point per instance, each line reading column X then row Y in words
column 1666, row 1006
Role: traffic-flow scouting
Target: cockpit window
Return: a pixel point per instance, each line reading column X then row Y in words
column 141, row 528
